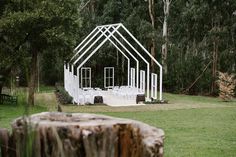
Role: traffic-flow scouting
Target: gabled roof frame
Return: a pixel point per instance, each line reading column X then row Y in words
column 115, row 27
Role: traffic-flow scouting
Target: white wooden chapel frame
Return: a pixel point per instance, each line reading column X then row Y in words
column 100, row 35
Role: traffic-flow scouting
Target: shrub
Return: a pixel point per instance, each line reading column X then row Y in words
column 63, row 96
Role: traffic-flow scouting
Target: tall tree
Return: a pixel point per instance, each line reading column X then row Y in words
column 33, row 27
column 151, row 8
column 166, row 9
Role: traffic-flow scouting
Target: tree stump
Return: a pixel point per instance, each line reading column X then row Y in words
column 85, row 135
column 4, row 142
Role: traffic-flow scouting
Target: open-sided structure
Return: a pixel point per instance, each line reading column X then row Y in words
column 78, row 81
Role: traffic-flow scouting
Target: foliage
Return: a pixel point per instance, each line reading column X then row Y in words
column 49, row 73
column 198, row 32
column 194, row 27
column 63, row 96
column 226, row 83
column 29, row 28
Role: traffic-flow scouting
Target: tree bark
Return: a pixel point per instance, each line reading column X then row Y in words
column 165, row 35
column 214, row 65
column 4, row 142
column 86, row 135
column 153, row 45
column 32, row 78
column 1, row 86
column 92, row 4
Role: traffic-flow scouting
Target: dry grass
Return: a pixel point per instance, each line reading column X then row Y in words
column 47, row 100
column 175, row 102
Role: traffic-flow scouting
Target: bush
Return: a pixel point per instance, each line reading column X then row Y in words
column 63, row 96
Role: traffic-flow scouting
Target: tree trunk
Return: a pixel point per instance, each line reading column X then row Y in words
column 4, row 143
column 85, row 135
column 165, row 35
column 1, row 86
column 153, row 45
column 92, row 4
column 214, row 66
column 32, row 78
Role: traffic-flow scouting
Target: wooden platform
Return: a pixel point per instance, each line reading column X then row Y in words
column 113, row 100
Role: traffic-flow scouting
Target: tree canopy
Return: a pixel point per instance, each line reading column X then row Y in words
column 29, row 28
column 200, row 37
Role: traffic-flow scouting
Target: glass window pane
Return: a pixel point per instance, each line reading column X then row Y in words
column 108, row 82
column 86, row 73
column 83, row 81
column 107, row 73
column 111, row 81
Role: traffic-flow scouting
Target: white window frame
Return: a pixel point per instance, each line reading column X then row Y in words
column 111, row 75
column 88, row 78
column 154, row 86
column 142, row 80
column 132, row 77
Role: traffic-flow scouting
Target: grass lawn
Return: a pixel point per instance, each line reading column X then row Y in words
column 194, row 126
column 8, row 112
column 193, row 132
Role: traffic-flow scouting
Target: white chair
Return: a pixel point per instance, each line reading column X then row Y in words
column 88, row 99
column 81, row 100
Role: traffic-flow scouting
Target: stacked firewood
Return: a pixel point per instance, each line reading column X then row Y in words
column 226, row 83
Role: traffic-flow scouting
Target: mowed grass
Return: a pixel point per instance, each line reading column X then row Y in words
column 8, row 112
column 193, row 132
column 194, row 126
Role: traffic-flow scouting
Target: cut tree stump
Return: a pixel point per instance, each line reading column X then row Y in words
column 85, row 135
column 4, row 143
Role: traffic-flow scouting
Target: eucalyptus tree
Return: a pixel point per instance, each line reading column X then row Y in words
column 32, row 27
column 199, row 35
column 166, row 8
column 151, row 9
column 202, row 32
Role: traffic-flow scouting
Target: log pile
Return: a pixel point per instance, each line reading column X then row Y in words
column 226, row 83
column 84, row 135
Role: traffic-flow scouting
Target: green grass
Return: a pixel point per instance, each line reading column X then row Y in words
column 193, row 132
column 8, row 112
column 194, row 126
column 47, row 89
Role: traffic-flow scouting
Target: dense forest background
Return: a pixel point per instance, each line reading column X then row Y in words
column 193, row 39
